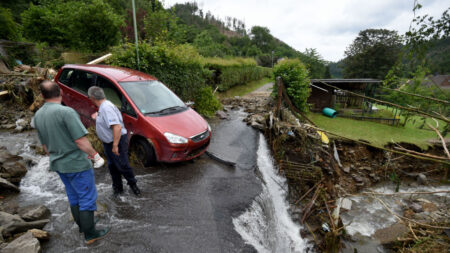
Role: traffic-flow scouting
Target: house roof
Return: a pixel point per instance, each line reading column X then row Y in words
column 359, row 81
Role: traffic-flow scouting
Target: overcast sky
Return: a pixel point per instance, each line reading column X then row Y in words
column 327, row 25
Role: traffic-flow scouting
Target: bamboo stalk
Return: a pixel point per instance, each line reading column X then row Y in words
column 401, row 193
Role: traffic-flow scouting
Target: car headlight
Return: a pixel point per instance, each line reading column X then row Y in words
column 209, row 127
column 175, row 139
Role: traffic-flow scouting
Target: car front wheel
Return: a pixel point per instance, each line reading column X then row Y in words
column 144, row 152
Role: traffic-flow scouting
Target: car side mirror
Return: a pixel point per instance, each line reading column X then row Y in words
column 190, row 103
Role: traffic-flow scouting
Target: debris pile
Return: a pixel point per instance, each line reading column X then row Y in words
column 20, row 96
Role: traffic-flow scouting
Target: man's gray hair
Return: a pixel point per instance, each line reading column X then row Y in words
column 96, row 93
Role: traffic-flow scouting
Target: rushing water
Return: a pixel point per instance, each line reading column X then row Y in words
column 266, row 224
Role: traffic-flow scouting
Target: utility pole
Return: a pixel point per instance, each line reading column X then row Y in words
column 135, row 35
column 272, row 58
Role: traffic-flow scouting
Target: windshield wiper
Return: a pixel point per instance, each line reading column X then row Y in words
column 172, row 108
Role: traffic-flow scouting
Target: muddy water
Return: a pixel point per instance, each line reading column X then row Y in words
column 187, row 207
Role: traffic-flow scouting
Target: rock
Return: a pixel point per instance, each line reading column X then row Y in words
column 11, row 166
column 13, row 224
column 390, row 234
column 257, row 125
column 366, row 168
column 26, row 243
column 5, row 185
column 416, row 207
column 33, row 213
column 422, row 179
column 40, row 234
column 221, row 114
column 346, row 169
column 357, row 178
column 8, row 126
column 346, row 204
column 429, row 207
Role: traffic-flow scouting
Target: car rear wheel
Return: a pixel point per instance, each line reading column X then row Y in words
column 144, row 152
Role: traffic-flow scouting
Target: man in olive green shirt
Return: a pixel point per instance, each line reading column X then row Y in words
column 63, row 137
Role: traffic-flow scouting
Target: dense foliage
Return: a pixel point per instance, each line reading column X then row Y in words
column 8, row 26
column 227, row 73
column 372, row 54
column 87, row 25
column 295, row 78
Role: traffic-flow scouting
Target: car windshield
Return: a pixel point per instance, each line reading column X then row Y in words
column 153, row 97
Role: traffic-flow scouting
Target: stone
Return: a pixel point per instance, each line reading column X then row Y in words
column 8, row 126
column 257, row 125
column 390, row 234
column 429, row 207
column 21, row 125
column 26, row 243
column 416, row 207
column 33, row 213
column 221, row 115
column 13, row 224
column 346, row 204
column 366, row 168
column 11, row 166
column 41, row 235
column 357, row 178
column 346, row 169
column 5, row 185
column 422, row 179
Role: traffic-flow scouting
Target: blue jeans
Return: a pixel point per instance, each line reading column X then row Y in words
column 118, row 165
column 80, row 189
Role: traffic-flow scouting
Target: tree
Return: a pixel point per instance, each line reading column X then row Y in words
column 314, row 62
column 9, row 27
column 262, row 38
column 372, row 54
column 90, row 25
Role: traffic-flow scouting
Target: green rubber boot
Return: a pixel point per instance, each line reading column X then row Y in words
column 76, row 215
column 88, row 227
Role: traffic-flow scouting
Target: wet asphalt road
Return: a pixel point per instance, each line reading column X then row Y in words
column 185, row 207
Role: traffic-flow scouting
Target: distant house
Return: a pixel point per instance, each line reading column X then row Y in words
column 324, row 96
column 442, row 81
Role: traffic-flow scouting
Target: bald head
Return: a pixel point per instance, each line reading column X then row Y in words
column 49, row 89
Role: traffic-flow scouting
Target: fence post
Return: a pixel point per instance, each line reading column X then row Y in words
column 280, row 94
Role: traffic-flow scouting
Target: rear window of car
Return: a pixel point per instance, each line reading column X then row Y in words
column 65, row 76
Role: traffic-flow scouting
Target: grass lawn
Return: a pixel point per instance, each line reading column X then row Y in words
column 241, row 90
column 376, row 133
column 415, row 121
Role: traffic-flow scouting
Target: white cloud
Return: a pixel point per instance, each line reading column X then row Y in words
column 327, row 25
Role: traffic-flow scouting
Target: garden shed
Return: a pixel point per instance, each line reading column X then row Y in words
column 323, row 95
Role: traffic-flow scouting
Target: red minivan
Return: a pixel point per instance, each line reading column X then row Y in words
column 160, row 126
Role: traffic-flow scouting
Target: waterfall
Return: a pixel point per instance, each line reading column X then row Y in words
column 266, row 224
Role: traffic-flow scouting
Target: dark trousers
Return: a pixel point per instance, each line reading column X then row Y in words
column 119, row 165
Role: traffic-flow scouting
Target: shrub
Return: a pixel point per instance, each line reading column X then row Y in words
column 295, row 78
column 177, row 66
column 235, row 71
column 205, row 102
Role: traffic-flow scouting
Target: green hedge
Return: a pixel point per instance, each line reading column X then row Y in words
column 236, row 71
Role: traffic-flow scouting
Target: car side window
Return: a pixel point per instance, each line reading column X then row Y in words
column 111, row 92
column 126, row 108
column 65, row 76
column 81, row 81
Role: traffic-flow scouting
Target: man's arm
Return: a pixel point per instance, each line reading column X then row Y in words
column 116, row 138
column 45, row 149
column 85, row 146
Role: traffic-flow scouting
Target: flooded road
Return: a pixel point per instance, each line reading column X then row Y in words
column 187, row 207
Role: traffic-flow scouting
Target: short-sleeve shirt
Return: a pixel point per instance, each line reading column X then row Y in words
column 108, row 115
column 58, row 127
